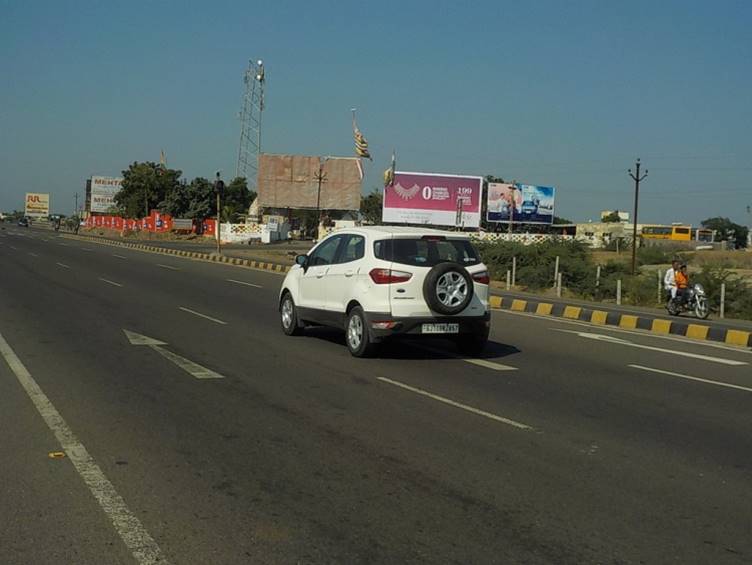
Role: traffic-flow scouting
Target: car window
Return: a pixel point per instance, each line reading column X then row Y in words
column 353, row 249
column 426, row 252
column 324, row 254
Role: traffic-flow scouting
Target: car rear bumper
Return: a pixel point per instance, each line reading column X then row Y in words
column 413, row 326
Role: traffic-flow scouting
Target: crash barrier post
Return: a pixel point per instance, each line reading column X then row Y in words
column 618, row 292
column 723, row 300
column 660, row 286
column 597, row 278
column 558, row 284
column 509, row 279
column 556, row 271
column 514, row 271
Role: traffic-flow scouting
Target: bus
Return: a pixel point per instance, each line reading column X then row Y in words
column 673, row 233
column 677, row 233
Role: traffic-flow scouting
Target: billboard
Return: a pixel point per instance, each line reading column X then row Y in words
column 37, row 205
column 525, row 203
column 103, row 191
column 433, row 198
column 292, row 181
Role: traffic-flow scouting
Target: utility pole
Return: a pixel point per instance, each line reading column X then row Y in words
column 320, row 177
column 75, row 210
column 513, row 187
column 637, row 178
column 219, row 188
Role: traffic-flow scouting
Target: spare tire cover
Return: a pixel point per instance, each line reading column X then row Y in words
column 448, row 288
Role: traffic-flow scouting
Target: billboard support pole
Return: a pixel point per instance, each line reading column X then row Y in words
column 511, row 206
column 637, row 178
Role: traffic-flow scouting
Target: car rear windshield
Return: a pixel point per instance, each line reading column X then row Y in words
column 426, row 252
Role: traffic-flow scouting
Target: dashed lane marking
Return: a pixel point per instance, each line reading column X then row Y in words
column 688, row 377
column 113, row 283
column 167, row 267
column 63, row 265
column 200, row 315
column 450, row 402
column 245, row 283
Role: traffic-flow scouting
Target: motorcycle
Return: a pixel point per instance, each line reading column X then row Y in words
column 695, row 300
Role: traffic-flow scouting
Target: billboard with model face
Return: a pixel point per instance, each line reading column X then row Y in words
column 434, row 199
column 522, row 203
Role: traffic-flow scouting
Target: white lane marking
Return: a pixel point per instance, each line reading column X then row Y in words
column 33, row 254
column 479, row 362
column 86, row 249
column 215, row 320
column 457, row 404
column 63, row 244
column 63, row 265
column 130, row 529
column 167, row 267
column 688, row 377
column 245, row 283
column 643, row 333
column 193, row 369
column 113, row 283
column 119, row 256
column 13, row 247
column 619, row 341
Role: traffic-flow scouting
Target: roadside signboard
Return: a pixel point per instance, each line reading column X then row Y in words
column 434, row 199
column 37, row 205
column 525, row 203
column 103, row 191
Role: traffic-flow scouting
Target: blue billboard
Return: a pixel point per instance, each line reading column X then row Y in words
column 522, row 203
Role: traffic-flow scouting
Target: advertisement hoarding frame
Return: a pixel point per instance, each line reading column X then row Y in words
column 396, row 215
column 518, row 217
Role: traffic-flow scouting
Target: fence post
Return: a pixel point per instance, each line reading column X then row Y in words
column 556, row 271
column 514, row 271
column 660, row 286
column 597, row 277
column 558, row 284
column 509, row 279
column 618, row 292
column 723, row 300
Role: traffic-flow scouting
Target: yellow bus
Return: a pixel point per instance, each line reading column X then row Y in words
column 673, row 233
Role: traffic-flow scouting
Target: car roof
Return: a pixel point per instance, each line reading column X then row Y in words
column 403, row 231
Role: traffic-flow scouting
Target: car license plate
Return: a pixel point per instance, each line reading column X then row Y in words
column 440, row 329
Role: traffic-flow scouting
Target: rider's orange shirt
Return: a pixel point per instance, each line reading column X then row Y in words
column 682, row 280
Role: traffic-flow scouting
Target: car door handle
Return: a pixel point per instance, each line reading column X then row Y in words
column 349, row 273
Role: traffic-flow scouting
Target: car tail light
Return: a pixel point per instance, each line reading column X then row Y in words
column 383, row 325
column 388, row 276
column 482, row 277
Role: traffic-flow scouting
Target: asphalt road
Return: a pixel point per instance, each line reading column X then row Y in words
column 565, row 443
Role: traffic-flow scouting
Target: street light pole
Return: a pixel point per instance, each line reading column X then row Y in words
column 637, row 178
column 219, row 187
column 513, row 187
column 320, row 177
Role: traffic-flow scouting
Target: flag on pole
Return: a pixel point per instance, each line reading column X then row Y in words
column 389, row 173
column 361, row 143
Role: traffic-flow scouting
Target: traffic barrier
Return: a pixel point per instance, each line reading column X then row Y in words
column 657, row 325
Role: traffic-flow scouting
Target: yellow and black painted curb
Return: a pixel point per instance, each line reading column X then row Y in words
column 625, row 321
column 209, row 257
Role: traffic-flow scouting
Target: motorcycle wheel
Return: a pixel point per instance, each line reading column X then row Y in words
column 672, row 307
column 701, row 308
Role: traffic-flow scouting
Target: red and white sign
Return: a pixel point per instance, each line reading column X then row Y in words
column 435, row 199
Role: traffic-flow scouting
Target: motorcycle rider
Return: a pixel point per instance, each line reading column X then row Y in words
column 669, row 279
column 682, row 283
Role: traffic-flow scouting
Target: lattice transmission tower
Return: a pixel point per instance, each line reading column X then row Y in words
column 251, row 109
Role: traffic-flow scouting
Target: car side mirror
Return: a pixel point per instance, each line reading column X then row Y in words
column 302, row 260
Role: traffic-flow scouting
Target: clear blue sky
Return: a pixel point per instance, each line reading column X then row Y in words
column 546, row 92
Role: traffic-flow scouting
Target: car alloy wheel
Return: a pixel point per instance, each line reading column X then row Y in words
column 355, row 332
column 451, row 289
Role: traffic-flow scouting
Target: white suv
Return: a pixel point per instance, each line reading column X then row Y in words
column 381, row 281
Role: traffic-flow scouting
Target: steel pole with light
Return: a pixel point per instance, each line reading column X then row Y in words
column 219, row 189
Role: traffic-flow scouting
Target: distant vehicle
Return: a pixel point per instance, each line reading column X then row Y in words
column 23, row 222
column 383, row 281
column 529, row 207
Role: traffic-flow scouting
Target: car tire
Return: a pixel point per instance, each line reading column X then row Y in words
column 472, row 343
column 357, row 335
column 448, row 288
column 288, row 316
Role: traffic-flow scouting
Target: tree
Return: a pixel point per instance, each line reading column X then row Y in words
column 611, row 217
column 145, row 186
column 371, row 205
column 558, row 220
column 726, row 230
column 236, row 200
